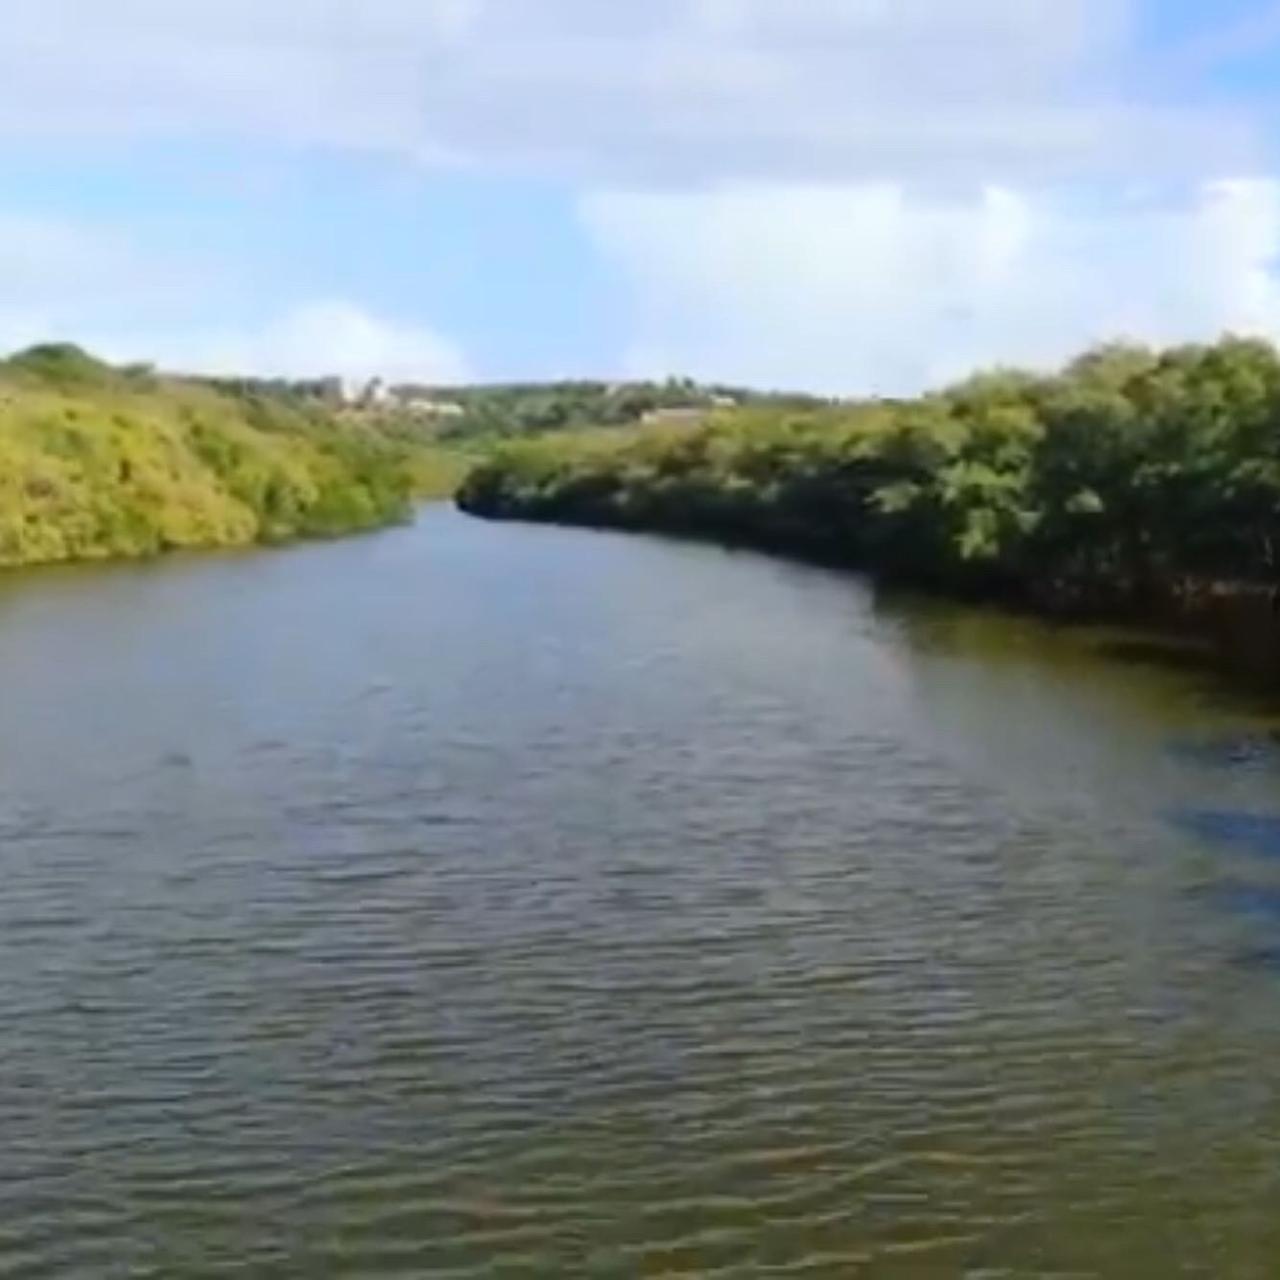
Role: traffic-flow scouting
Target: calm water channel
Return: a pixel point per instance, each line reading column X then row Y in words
column 481, row 900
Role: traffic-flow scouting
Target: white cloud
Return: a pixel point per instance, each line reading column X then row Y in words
column 872, row 289
column 666, row 91
column 310, row 340
column 59, row 277
column 67, row 281
column 855, row 194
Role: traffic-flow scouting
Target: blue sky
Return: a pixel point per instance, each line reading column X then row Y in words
column 847, row 195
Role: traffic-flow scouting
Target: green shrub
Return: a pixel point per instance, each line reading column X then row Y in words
column 96, row 462
column 1131, row 471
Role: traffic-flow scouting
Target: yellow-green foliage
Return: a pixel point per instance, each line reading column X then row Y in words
column 97, row 462
column 436, row 471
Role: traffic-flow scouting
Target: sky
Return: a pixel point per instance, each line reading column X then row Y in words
column 844, row 196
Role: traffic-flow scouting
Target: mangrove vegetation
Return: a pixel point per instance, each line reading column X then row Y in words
column 99, row 462
column 1132, row 475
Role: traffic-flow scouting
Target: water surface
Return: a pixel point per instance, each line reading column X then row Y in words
column 490, row 900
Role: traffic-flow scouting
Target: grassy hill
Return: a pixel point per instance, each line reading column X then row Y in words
column 99, row 462
column 522, row 409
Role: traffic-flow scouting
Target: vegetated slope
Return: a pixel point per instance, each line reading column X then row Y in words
column 98, row 462
column 528, row 409
column 1132, row 475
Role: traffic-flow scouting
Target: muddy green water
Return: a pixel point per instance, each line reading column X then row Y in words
column 481, row 900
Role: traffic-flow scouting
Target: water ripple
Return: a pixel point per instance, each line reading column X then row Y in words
column 599, row 907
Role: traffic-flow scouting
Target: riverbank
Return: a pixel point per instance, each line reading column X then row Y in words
column 1135, row 485
column 102, row 463
column 1232, row 627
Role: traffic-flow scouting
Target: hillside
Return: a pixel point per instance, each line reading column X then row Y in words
column 100, row 462
column 529, row 409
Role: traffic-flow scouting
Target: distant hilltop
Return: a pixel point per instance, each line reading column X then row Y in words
column 340, row 393
column 456, row 412
column 531, row 408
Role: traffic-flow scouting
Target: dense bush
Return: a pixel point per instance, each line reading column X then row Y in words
column 98, row 462
column 1130, row 472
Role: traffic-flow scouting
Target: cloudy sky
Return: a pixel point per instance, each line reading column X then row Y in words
column 843, row 195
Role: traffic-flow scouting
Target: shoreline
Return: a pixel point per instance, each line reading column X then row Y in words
column 1233, row 625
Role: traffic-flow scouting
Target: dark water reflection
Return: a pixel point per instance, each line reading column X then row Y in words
column 484, row 900
column 1251, row 832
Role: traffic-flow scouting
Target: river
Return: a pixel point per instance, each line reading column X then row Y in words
column 477, row 900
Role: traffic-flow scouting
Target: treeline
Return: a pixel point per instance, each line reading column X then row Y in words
column 530, row 409
column 1131, row 475
column 100, row 462
column 327, row 391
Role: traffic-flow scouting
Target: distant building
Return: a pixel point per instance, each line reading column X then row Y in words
column 426, row 407
column 688, row 417
column 724, row 402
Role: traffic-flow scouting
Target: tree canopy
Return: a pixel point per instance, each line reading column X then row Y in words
column 97, row 461
column 1130, row 471
column 513, row 410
